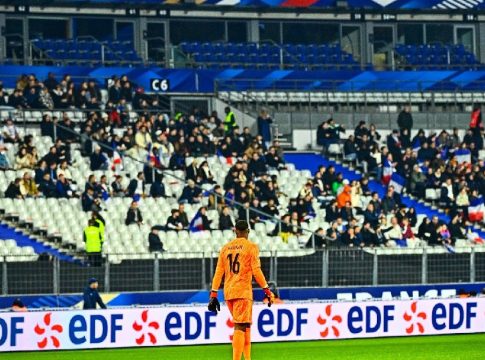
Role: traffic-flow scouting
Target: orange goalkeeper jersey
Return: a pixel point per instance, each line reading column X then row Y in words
column 238, row 262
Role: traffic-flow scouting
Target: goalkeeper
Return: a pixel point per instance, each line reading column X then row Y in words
column 238, row 262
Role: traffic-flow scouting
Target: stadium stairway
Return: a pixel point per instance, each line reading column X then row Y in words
column 311, row 161
column 7, row 232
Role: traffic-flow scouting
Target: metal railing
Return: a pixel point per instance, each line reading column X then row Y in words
column 331, row 267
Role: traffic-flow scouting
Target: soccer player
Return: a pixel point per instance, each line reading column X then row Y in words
column 238, row 263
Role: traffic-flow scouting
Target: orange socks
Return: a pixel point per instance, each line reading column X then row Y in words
column 238, row 341
column 247, row 344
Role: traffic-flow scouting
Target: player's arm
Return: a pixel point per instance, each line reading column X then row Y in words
column 214, row 304
column 259, row 276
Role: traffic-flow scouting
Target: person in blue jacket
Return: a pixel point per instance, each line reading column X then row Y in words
column 91, row 296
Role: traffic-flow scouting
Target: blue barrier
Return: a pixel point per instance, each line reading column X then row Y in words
column 208, row 81
column 292, row 294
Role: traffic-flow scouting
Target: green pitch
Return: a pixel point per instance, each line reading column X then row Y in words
column 456, row 347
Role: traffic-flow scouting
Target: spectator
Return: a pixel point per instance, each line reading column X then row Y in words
column 229, row 121
column 133, row 216
column 183, row 216
column 157, row 190
column 393, row 234
column 191, row 194
column 94, row 243
column 18, row 306
column 344, row 195
column 13, row 190
column 63, row 187
column 88, row 200
column 206, row 223
column 10, row 132
column 154, row 242
column 99, row 160
column 225, row 219
column 264, row 126
column 137, row 186
column 173, row 221
column 91, row 296
column 117, row 187
column 4, row 162
column 405, row 119
column 28, row 187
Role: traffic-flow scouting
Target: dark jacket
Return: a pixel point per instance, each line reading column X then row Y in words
column 225, row 222
column 405, row 120
column 154, row 243
column 132, row 187
column 131, row 216
column 91, row 298
column 157, row 189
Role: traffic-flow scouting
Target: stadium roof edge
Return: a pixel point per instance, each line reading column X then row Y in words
column 86, row 8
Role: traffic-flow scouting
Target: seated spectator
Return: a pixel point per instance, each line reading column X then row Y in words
column 133, row 216
column 154, row 242
column 13, row 190
column 23, row 159
column 206, row 223
column 41, row 171
column 273, row 160
column 117, row 187
column 255, row 213
column 10, row 132
column 157, row 190
column 369, row 235
column 371, row 216
column 332, row 212
column 183, row 216
column 173, row 222
column 456, row 228
column 417, row 183
column 349, row 238
column 137, row 186
column 63, row 169
column 225, row 219
column 407, row 234
column 350, row 149
column 99, row 160
column 344, row 195
column 256, row 166
column 28, row 187
column 88, row 201
column 393, row 234
column 216, row 198
column 447, row 197
column 48, row 187
column 191, row 194
column 389, row 205
column 204, row 174
column 271, row 209
column 347, row 212
column 63, row 187
column 444, row 237
column 4, row 162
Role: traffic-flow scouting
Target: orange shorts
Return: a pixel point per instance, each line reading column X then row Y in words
column 241, row 310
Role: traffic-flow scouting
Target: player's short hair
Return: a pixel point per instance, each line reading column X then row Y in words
column 242, row 225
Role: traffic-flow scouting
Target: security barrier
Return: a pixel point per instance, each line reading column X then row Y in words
column 163, row 326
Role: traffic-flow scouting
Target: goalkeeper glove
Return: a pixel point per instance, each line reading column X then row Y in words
column 214, row 304
column 268, row 294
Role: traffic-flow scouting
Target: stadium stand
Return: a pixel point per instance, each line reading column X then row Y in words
column 85, row 51
column 269, row 56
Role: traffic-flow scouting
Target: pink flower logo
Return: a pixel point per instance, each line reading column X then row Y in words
column 330, row 322
column 230, row 325
column 145, row 329
column 414, row 318
column 48, row 331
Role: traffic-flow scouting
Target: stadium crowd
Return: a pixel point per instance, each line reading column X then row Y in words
column 355, row 215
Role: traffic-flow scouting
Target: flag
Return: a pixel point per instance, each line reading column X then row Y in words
column 416, row 144
column 450, row 248
column 117, row 161
column 387, row 171
column 463, row 155
column 444, row 152
column 398, row 182
column 196, row 224
column 475, row 210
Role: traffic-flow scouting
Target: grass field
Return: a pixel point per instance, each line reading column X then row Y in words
column 456, row 347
